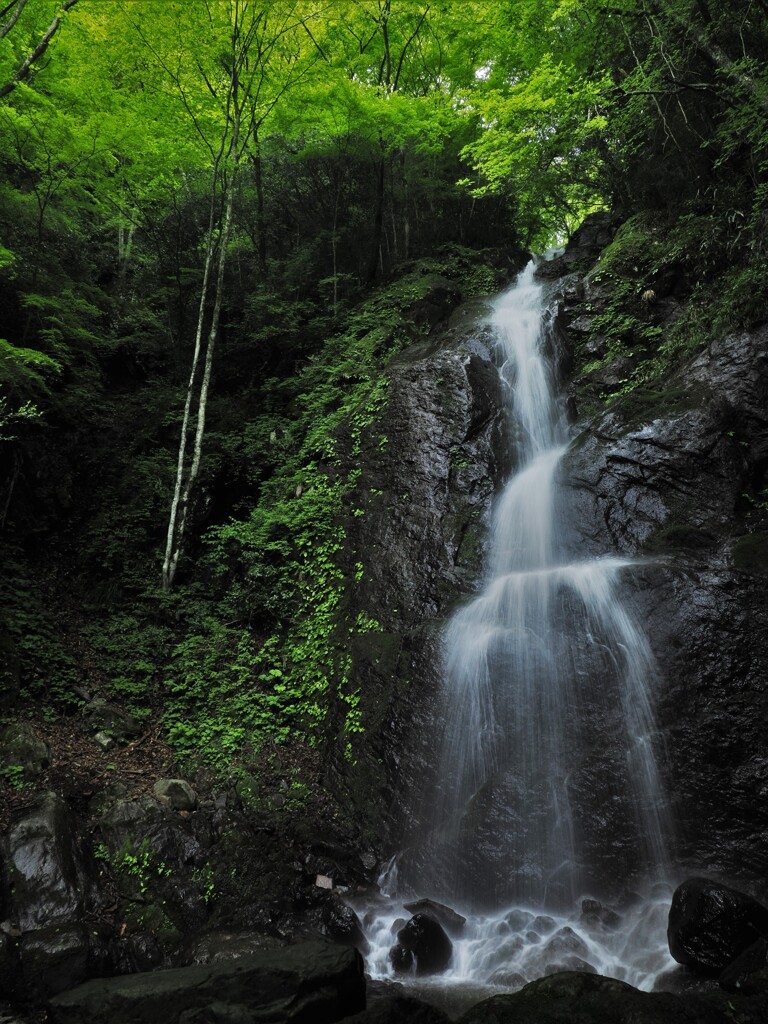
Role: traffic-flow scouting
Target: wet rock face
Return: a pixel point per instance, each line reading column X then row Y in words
column 439, row 466
column 46, row 867
column 666, row 470
column 432, row 465
column 669, row 475
column 51, row 889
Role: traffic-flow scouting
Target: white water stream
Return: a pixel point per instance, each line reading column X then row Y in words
column 549, row 791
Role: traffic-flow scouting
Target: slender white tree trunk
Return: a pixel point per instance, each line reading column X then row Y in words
column 184, row 486
column 172, row 521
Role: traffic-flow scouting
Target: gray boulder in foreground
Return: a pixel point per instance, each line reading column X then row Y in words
column 309, row 983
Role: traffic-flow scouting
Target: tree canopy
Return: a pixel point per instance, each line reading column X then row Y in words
column 197, row 195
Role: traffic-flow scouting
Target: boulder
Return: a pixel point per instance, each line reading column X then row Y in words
column 216, row 946
column 115, row 722
column 341, row 924
column 422, row 947
column 576, row 998
column 21, row 747
column 124, row 819
column 53, row 959
column 100, row 802
column 448, row 918
column 711, row 925
column 50, row 877
column 177, row 792
column 309, row 983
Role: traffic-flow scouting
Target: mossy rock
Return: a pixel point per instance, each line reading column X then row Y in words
column 750, row 552
column 21, row 747
column 643, row 404
column 679, row 538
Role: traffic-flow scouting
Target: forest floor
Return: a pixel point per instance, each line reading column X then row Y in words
column 79, row 768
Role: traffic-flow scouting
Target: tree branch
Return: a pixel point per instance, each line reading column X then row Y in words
column 25, row 67
column 407, row 44
column 6, row 28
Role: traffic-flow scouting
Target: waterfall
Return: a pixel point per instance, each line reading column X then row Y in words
column 548, row 788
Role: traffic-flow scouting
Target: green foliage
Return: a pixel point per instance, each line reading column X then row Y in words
column 11, row 420
column 280, row 667
column 13, row 776
column 205, row 878
column 227, row 690
column 743, row 298
column 23, row 371
column 129, row 652
column 476, row 123
column 137, row 864
column 725, row 288
column 36, row 660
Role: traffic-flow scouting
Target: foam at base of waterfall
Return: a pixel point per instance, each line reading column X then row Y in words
column 503, row 951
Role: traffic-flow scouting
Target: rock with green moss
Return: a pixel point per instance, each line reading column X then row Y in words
column 21, row 748
column 115, row 722
column 750, row 552
column 178, row 793
column 152, row 919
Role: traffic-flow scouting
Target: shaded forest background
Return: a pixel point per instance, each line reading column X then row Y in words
column 219, row 221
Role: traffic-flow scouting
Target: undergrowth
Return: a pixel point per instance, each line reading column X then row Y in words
column 253, row 647
column 706, row 260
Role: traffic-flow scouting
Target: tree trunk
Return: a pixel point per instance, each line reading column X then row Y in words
column 183, row 488
column 168, row 561
column 378, row 224
column 261, row 235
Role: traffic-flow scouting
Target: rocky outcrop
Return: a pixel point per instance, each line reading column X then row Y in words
column 151, row 885
column 674, row 476
column 432, row 464
column 50, row 892
column 667, row 470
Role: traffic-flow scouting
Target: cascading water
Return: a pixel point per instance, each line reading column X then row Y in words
column 548, row 789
